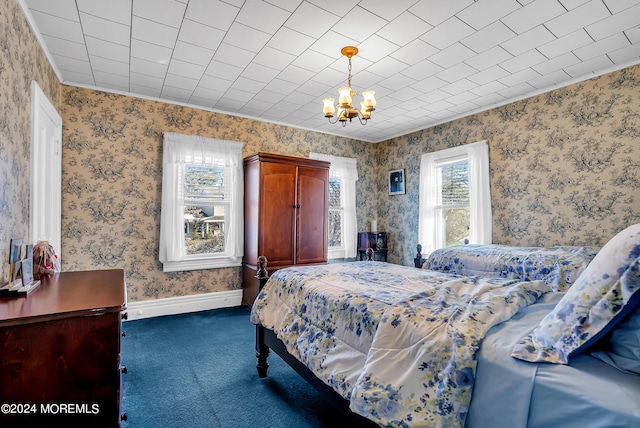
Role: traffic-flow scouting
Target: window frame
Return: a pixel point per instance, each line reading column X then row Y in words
column 346, row 169
column 338, row 252
column 430, row 228
column 180, row 150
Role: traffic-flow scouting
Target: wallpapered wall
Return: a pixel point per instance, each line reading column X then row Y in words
column 21, row 61
column 565, row 166
column 112, row 181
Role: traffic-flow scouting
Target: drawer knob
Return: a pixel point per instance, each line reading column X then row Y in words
column 123, row 417
column 125, row 316
column 123, row 369
column 124, row 334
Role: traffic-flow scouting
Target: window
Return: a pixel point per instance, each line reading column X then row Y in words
column 455, row 202
column 201, row 224
column 343, row 236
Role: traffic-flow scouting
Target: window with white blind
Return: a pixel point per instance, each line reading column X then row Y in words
column 201, row 222
column 455, row 202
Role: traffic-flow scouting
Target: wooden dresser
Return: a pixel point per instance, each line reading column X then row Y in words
column 285, row 214
column 60, row 352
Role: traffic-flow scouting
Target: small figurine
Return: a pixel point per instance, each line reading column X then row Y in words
column 262, row 267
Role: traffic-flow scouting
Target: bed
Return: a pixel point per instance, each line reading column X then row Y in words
column 400, row 346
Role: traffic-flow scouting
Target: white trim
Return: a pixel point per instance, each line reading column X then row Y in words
column 183, row 304
column 45, row 210
column 201, row 263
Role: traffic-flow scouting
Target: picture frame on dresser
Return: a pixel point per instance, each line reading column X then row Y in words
column 397, row 182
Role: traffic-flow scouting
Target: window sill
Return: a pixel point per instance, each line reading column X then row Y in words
column 200, row 264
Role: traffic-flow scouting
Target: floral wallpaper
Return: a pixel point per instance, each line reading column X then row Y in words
column 565, row 167
column 21, row 61
column 112, row 181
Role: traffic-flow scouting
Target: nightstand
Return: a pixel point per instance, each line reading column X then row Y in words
column 376, row 241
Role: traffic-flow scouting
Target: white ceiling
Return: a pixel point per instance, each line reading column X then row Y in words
column 429, row 61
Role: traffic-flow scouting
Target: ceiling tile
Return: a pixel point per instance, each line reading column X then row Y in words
column 149, row 68
column 577, row 18
column 143, row 90
column 565, row 44
column 614, row 24
column 375, row 48
column 273, row 58
column 200, row 35
column 66, row 48
column 214, row 84
column 153, row 32
column 311, row 20
column 533, row 14
column 488, row 58
column 111, row 80
column 626, row 54
column 528, row 40
column 290, row 41
column 247, row 38
column 167, row 12
column 359, row 24
column 527, row 59
column 105, row 49
column 248, row 85
column 422, row 70
column 387, row 67
column 488, row 75
column 146, row 80
column 457, row 72
column 65, row 29
column 233, row 55
column 452, row 55
column 176, row 94
column 601, row 47
column 556, row 77
column 105, row 30
column 186, row 69
column 179, row 81
column 260, row 73
column 288, row 5
column 556, row 63
column 459, row 86
column 150, row 52
column 397, row 82
column 414, row 52
column 478, row 15
column 65, row 9
column 192, row 53
column 489, row 37
column 295, row 74
column 588, row 67
column 109, row 66
column 71, row 64
column 223, row 70
column 447, row 33
column 213, row 13
column 312, row 61
column 438, row 11
column 75, row 78
column 404, row 28
column 113, row 10
column 262, row 16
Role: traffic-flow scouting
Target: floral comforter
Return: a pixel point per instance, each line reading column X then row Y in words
column 399, row 343
column 558, row 266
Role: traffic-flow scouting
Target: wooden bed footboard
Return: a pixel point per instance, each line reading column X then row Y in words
column 418, row 261
column 266, row 340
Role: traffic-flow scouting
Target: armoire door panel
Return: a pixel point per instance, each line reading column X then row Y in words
column 277, row 226
column 312, row 216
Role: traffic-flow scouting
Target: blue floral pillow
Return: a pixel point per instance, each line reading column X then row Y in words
column 603, row 295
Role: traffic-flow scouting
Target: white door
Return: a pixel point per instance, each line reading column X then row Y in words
column 46, row 170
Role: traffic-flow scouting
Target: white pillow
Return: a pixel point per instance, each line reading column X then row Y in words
column 603, row 295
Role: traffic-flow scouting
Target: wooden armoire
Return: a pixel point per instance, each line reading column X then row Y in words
column 285, row 214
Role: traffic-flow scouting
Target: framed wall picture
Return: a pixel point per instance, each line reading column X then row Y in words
column 396, row 182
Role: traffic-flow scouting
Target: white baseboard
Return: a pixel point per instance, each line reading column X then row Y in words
column 183, row 304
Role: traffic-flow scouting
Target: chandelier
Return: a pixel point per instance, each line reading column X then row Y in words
column 345, row 106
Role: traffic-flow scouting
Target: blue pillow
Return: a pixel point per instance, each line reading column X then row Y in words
column 622, row 349
column 605, row 292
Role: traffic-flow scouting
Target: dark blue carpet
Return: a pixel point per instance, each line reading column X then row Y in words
column 198, row 370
